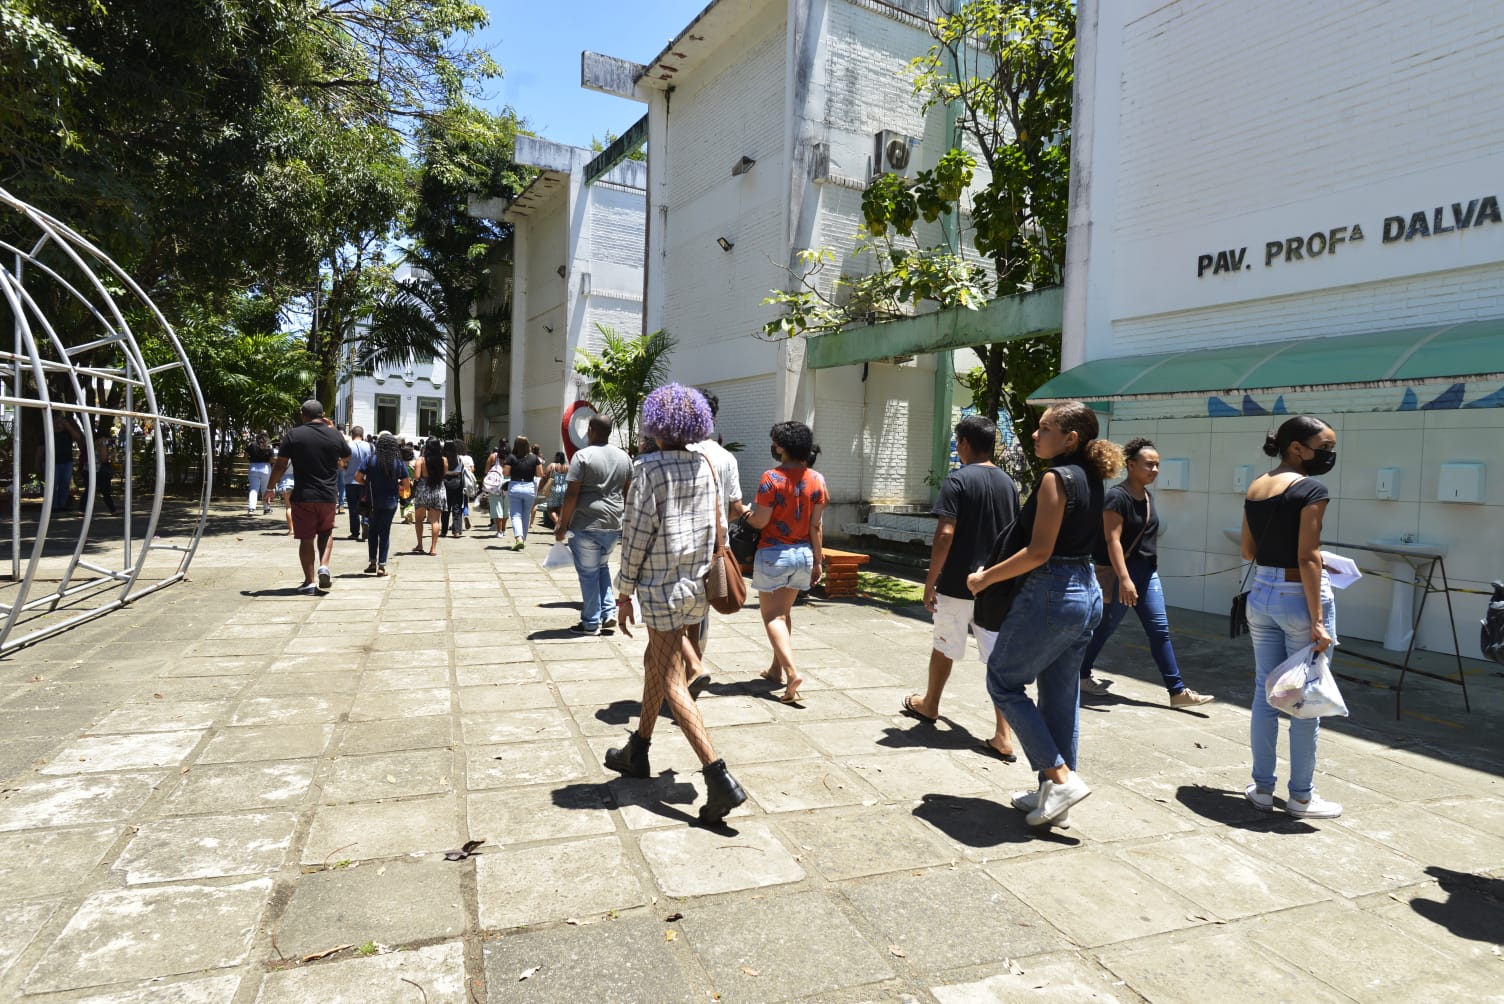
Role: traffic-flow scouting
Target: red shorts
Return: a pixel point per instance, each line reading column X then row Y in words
column 309, row 519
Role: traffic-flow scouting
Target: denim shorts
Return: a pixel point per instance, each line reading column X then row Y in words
column 782, row 566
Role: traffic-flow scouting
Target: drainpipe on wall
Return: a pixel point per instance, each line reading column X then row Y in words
column 945, row 369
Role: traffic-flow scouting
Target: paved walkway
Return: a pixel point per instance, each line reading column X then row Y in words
column 230, row 793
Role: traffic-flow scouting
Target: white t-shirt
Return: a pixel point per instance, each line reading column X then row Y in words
column 726, row 472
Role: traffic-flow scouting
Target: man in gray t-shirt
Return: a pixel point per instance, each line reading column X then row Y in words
column 591, row 519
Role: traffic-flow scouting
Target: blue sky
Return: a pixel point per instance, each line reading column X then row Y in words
column 538, row 45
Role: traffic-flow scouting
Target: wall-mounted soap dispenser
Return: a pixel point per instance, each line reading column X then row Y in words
column 1387, row 485
column 1242, row 476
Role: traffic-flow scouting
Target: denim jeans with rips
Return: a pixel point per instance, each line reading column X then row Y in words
column 1279, row 624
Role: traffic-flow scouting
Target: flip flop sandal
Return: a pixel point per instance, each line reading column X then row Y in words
column 913, row 712
column 988, row 749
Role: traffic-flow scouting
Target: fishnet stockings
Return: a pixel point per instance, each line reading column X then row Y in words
column 663, row 677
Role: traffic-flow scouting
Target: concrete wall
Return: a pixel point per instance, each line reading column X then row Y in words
column 1215, row 127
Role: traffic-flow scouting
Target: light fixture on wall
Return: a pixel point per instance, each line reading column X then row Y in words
column 725, row 244
column 548, row 328
column 742, row 166
column 560, row 270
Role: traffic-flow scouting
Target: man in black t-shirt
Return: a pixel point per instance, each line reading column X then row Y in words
column 315, row 449
column 978, row 502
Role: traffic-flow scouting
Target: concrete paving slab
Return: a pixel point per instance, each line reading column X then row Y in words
column 199, row 847
column 35, row 864
column 19, row 925
column 1332, row 855
column 542, row 812
column 192, row 928
column 764, row 743
column 818, row 704
column 799, row 945
column 916, row 913
column 621, row 960
column 394, row 902
column 233, row 787
column 600, row 693
column 372, row 706
column 794, row 785
column 1052, row 980
column 418, row 676
column 911, row 774
column 215, row 990
column 693, row 861
column 721, row 711
column 1411, row 830
column 506, row 697
column 1114, row 813
column 364, row 830
column 850, row 843
column 485, row 673
column 437, row 972
column 1205, row 961
column 1458, row 916
column 222, row 665
column 1104, row 902
column 1220, row 878
column 294, row 709
column 386, row 775
column 515, row 726
column 1484, row 814
column 582, row 670
column 527, row 886
column 334, row 680
column 384, row 659
column 393, row 734
column 137, row 751
column 267, row 742
column 524, row 763
column 846, row 737
column 75, row 800
column 162, row 716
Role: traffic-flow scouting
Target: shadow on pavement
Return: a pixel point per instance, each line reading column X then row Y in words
column 619, row 712
column 280, row 591
column 925, row 736
column 659, row 795
column 1474, row 908
column 980, row 822
column 1230, row 808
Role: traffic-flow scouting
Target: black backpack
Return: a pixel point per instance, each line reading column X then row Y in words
column 1491, row 637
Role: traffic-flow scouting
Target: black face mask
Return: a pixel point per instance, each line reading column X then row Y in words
column 776, row 456
column 1320, row 463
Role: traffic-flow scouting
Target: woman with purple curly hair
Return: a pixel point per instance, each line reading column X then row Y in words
column 668, row 540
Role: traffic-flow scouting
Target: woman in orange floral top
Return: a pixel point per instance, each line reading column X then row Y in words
column 790, row 502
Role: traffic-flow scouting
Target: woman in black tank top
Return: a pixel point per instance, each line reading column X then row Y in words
column 1057, row 607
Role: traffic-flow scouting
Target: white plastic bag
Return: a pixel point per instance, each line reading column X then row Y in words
column 558, row 556
column 1303, row 686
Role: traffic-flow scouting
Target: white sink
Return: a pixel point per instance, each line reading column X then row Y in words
column 1400, row 630
column 1233, row 533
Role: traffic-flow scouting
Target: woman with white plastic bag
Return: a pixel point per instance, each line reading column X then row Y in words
column 1290, row 603
column 1303, row 686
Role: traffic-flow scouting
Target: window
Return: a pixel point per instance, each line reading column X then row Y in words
column 430, row 414
column 388, row 413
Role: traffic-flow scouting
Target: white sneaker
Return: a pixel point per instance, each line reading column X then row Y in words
column 1315, row 807
column 1092, row 685
column 1028, row 801
column 325, row 579
column 1261, row 800
column 1054, row 799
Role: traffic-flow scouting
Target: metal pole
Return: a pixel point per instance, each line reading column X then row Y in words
column 129, row 464
column 15, row 443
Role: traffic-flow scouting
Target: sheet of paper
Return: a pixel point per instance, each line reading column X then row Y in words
column 1341, row 571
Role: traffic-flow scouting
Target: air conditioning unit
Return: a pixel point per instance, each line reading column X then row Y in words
column 893, row 154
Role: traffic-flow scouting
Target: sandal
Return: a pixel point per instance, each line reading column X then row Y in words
column 380, row 571
column 791, row 693
column 913, row 712
column 417, row 550
column 986, row 748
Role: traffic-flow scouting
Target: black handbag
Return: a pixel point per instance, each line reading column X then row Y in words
column 991, row 605
column 744, row 540
column 1491, row 636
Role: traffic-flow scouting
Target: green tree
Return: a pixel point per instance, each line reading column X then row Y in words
column 1007, row 67
column 624, row 372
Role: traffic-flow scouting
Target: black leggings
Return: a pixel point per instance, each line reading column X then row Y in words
column 454, row 496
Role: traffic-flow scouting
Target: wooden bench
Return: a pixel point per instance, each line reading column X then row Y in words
column 841, row 571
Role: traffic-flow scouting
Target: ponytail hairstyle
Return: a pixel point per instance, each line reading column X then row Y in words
column 1294, row 430
column 1099, row 456
column 1134, row 447
column 433, row 462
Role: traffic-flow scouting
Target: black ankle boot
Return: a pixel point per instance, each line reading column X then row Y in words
column 722, row 793
column 631, row 760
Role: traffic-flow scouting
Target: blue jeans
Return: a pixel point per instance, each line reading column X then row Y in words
column 62, row 486
column 521, row 496
column 592, row 551
column 379, row 535
column 1042, row 639
column 1280, row 625
column 783, row 566
column 1151, row 614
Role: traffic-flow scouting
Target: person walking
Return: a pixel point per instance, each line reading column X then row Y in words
column 978, row 502
column 381, row 476
column 729, row 480
column 104, row 469
column 65, row 436
column 788, row 509
column 284, row 488
column 360, row 452
column 1127, row 558
column 496, row 501
column 314, row 450
column 590, row 521
column 454, row 490
column 472, row 485
column 521, row 471
column 259, row 455
column 409, row 457
column 668, row 541
column 1058, row 606
column 555, row 483
column 1290, row 602
column 430, row 498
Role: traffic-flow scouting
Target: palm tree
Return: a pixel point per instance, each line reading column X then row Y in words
column 423, row 318
column 626, row 370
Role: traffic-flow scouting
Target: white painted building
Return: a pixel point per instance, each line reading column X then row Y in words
column 1289, row 207
column 406, row 400
column 763, row 126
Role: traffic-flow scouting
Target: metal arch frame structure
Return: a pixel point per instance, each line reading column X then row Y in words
column 108, row 355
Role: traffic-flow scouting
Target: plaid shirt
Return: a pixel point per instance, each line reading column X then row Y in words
column 668, row 536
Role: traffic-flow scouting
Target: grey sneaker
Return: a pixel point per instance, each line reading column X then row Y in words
column 1092, row 685
column 1028, row 801
column 1314, row 807
column 1188, row 698
column 1261, row 800
column 1054, row 799
column 325, row 579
